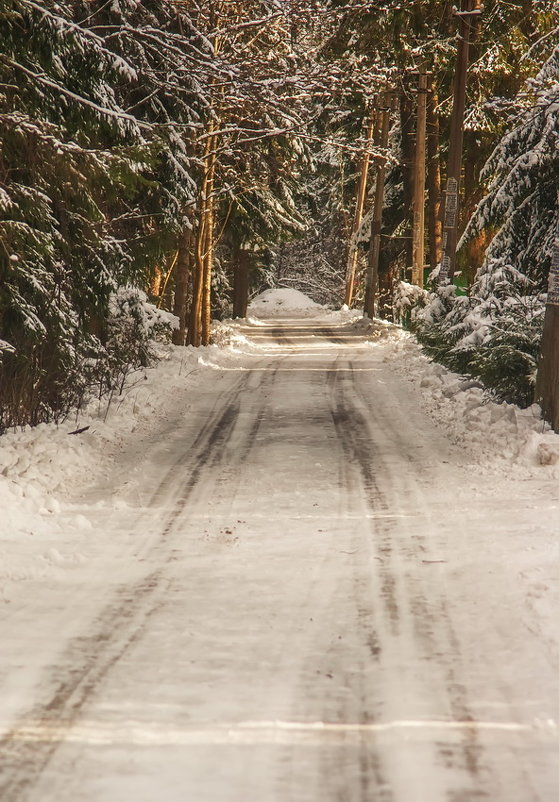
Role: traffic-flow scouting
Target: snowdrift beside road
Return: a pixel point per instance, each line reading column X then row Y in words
column 499, row 434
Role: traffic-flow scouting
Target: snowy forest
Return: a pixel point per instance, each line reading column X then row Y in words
column 162, row 161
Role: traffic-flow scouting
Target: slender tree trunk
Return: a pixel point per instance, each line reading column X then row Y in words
column 468, row 22
column 200, row 310
column 182, row 279
column 408, row 156
column 376, row 222
column 435, row 225
column 194, row 323
column 240, row 283
column 359, row 204
column 418, row 239
column 206, row 310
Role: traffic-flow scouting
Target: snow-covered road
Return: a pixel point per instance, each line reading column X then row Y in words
column 301, row 591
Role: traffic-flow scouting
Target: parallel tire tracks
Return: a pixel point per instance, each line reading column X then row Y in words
column 29, row 746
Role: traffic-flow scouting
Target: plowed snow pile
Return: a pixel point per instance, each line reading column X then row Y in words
column 283, row 302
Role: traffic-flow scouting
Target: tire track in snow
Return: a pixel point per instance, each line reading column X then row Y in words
column 425, row 604
column 28, row 747
column 373, row 778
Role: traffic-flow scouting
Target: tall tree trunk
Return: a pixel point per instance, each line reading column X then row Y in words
column 369, row 305
column 435, row 225
column 240, row 283
column 418, row 239
column 200, row 308
column 359, row 204
column 182, row 279
column 208, row 253
column 408, row 155
column 194, row 323
column 467, row 28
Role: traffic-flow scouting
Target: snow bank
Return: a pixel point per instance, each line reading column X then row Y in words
column 516, row 441
column 43, row 468
column 283, row 302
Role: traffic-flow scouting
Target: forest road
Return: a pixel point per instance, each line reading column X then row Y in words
column 297, row 619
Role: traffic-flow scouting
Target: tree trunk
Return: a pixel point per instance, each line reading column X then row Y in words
column 194, row 323
column 207, row 270
column 240, row 283
column 408, row 154
column 376, row 221
column 200, row 310
column 182, row 279
column 359, row 204
column 418, row 239
column 435, row 225
column 547, row 381
column 469, row 13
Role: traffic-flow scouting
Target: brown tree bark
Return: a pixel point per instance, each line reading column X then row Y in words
column 206, row 307
column 370, row 302
column 435, row 225
column 408, row 156
column 467, row 27
column 241, row 283
column 194, row 318
column 359, row 205
column 200, row 309
column 418, row 238
column 547, row 381
column 182, row 280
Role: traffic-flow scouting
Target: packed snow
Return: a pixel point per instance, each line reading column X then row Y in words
column 43, row 468
column 283, row 302
column 252, row 545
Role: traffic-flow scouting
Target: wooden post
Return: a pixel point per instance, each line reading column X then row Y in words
column 547, row 379
column 470, row 11
column 418, row 235
column 376, row 222
column 358, row 216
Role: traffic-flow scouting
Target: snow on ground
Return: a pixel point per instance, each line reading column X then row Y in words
column 86, row 527
column 44, row 467
column 515, row 441
column 283, row 302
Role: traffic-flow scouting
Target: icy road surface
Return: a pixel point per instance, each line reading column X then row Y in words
column 301, row 592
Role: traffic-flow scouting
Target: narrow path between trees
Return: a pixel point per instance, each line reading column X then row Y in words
column 304, row 615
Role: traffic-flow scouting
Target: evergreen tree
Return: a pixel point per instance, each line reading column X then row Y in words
column 495, row 332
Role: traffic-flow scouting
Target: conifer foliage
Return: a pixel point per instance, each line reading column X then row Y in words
column 133, row 137
column 186, row 148
column 80, row 200
column 495, row 331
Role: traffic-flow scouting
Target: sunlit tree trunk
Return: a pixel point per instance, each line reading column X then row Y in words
column 408, row 156
column 182, row 279
column 435, row 226
column 208, row 250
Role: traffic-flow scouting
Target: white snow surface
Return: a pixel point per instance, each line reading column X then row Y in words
column 283, row 302
column 304, row 564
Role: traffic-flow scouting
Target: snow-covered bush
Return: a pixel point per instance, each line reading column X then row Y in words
column 133, row 326
column 493, row 334
column 408, row 300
